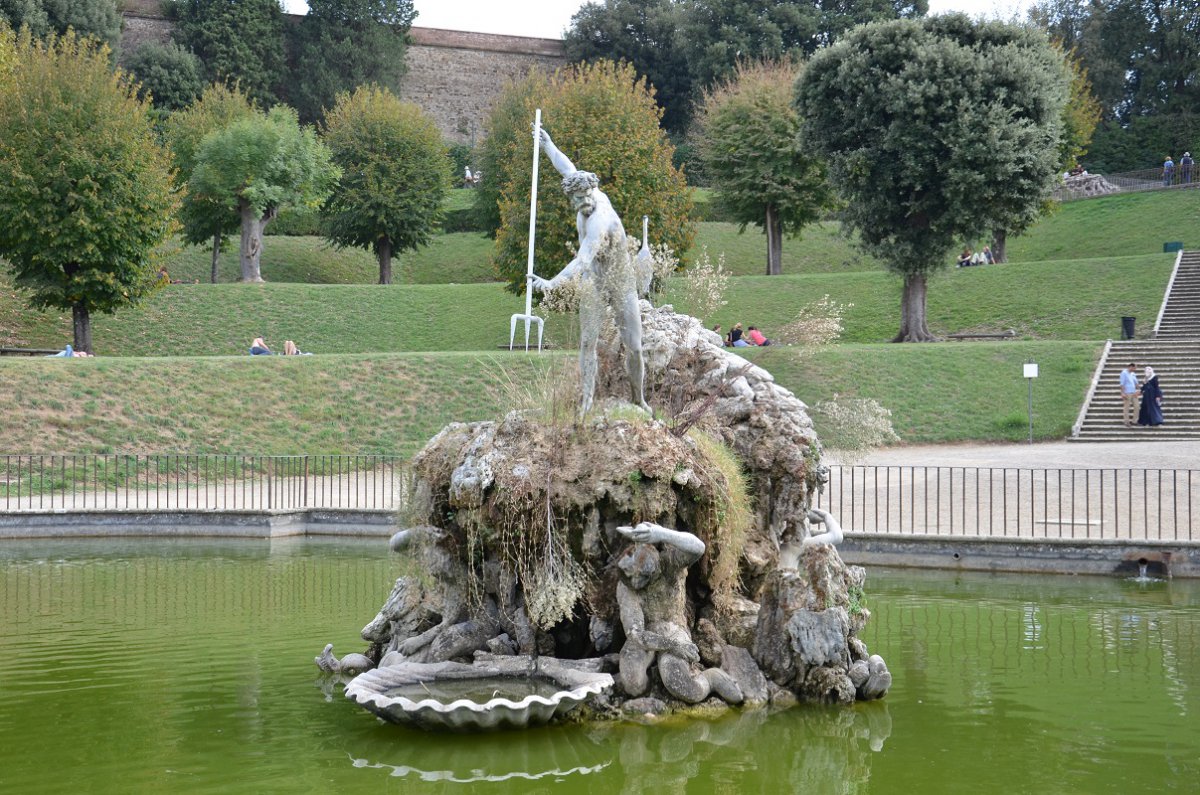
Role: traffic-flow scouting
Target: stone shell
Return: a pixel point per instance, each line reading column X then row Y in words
column 369, row 690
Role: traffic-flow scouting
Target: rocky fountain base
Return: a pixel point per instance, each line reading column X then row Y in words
column 641, row 565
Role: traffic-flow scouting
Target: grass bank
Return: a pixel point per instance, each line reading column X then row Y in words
column 1074, row 299
column 393, row 403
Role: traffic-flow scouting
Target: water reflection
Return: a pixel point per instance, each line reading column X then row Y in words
column 804, row 748
column 194, row 659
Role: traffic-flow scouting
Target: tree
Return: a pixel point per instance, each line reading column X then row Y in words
column 1080, row 115
column 604, row 118
column 100, row 19
column 748, row 136
column 343, row 44
column 646, row 34
column 85, row 189
column 238, row 43
column 719, row 33
column 395, row 174
column 684, row 46
column 934, row 131
column 204, row 218
column 169, row 74
column 257, row 165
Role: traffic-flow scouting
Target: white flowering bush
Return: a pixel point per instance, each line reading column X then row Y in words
column 701, row 288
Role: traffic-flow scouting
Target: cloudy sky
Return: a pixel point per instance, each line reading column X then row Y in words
column 548, row 18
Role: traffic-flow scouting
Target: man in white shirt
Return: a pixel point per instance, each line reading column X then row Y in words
column 1129, row 394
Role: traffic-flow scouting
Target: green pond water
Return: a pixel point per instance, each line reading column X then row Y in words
column 187, row 666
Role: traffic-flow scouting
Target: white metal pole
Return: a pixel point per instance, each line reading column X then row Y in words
column 537, row 148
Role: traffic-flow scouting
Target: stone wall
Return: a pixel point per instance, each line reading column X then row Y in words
column 454, row 76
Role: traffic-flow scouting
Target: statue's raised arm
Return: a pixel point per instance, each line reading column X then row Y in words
column 560, row 161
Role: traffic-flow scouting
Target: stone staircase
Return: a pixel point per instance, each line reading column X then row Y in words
column 1174, row 353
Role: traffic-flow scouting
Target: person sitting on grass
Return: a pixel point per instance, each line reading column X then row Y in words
column 735, row 337
column 259, row 347
column 756, row 337
column 290, row 349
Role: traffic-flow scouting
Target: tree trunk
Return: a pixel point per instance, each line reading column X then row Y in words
column 216, row 255
column 774, row 243
column 383, row 252
column 82, row 326
column 1000, row 245
column 912, row 311
column 250, row 253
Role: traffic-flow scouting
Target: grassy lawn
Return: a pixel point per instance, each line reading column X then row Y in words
column 1112, row 226
column 949, row 392
column 393, row 403
column 1069, row 300
column 415, row 355
column 215, row 320
column 461, row 258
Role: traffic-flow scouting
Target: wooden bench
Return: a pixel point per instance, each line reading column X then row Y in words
column 1001, row 335
column 28, row 351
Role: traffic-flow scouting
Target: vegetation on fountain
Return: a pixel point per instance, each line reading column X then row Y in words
column 520, row 532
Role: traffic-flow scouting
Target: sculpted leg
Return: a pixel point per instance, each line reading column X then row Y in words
column 634, row 670
column 629, row 322
column 591, row 315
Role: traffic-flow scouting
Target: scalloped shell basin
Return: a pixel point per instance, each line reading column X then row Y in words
column 466, row 698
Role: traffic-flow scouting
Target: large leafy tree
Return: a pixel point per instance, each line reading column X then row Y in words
column 258, row 165
column 644, row 33
column 683, row 46
column 97, row 18
column 603, row 117
column 169, row 74
column 1142, row 56
column 395, row 174
column 85, row 188
column 205, row 218
column 238, row 42
column 748, row 136
column 934, row 131
column 343, row 44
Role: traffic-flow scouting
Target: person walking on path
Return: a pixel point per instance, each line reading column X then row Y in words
column 1129, row 394
column 1151, row 413
column 1168, row 171
column 1185, row 168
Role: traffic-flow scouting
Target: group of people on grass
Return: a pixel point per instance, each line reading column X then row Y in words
column 1150, row 411
column 259, row 348
column 968, row 257
column 737, row 338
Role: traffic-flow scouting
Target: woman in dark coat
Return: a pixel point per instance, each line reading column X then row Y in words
column 1151, row 411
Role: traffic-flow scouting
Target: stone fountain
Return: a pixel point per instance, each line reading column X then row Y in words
column 640, row 563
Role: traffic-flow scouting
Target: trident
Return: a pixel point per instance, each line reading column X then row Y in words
column 529, row 317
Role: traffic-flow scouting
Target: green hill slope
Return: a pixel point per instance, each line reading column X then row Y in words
column 393, row 403
column 1082, row 299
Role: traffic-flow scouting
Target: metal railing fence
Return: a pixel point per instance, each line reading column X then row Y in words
column 990, row 502
column 200, row 482
column 1135, row 181
column 1005, row 502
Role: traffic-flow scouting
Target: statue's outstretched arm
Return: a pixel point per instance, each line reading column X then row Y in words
column 833, row 529
column 650, row 533
column 560, row 161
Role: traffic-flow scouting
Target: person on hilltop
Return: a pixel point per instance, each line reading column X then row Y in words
column 1168, row 171
column 1185, row 168
column 606, row 276
column 259, row 347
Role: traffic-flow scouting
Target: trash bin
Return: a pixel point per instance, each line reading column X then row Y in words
column 1171, row 248
column 1127, row 327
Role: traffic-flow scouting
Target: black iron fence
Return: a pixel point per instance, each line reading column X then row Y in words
column 200, row 482
column 1116, row 504
column 988, row 502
